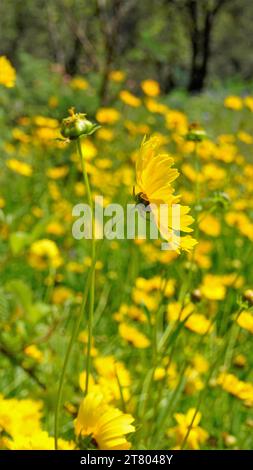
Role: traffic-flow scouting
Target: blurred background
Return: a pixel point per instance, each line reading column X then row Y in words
column 184, row 44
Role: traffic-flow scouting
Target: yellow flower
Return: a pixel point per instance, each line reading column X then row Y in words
column 105, row 425
column 245, row 137
column 245, row 320
column 117, row 75
column 33, row 352
column 154, row 107
column 150, row 87
column 107, row 115
column 240, row 389
column 131, row 311
column 212, row 287
column 197, row 435
column 55, row 228
column 89, row 150
column 209, row 225
column 79, row 83
column 2, row 202
column 177, row 121
column 39, row 440
column 113, row 378
column 195, row 322
column 20, row 417
column 130, row 99
column 53, row 102
column 19, row 167
column 194, row 382
column 199, row 324
column 233, row 102
column 44, row 253
column 57, row 172
column 61, row 294
column 7, row 73
column 133, row 336
column 154, row 177
column 105, row 134
column 248, row 101
column 154, row 173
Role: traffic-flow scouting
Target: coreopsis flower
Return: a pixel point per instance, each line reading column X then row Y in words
column 150, row 87
column 245, row 321
column 133, row 336
column 43, row 254
column 39, row 440
column 77, row 125
column 197, row 435
column 117, row 76
column 248, row 101
column 101, row 426
column 129, row 99
column 154, row 178
column 233, row 102
column 79, row 83
column 195, row 322
column 209, row 224
column 236, row 387
column 107, row 115
column 15, row 413
column 33, row 352
column 22, row 168
column 212, row 287
column 7, row 73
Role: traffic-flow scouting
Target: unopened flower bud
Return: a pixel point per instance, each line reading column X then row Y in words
column 196, row 295
column 248, row 296
column 77, row 125
column 195, row 133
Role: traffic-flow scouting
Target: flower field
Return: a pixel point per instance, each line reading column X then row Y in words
column 116, row 343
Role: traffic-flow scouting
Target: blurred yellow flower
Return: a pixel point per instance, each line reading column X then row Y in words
column 7, row 73
column 79, row 83
column 61, row 294
column 150, row 87
column 33, row 352
column 233, row 102
column 130, row 99
column 245, row 320
column 133, row 336
column 57, row 172
column 44, row 253
column 107, row 115
column 248, row 101
column 39, row 440
column 19, row 167
column 117, row 75
column 209, row 224
column 212, row 287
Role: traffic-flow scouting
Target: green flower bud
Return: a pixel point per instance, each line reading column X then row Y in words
column 77, row 125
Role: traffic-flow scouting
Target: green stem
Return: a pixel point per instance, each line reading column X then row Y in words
column 93, row 256
column 67, row 355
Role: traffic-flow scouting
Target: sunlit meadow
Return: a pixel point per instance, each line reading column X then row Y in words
column 117, row 344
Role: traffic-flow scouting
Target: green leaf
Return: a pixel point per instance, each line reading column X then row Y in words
column 4, row 307
column 18, row 241
column 22, row 292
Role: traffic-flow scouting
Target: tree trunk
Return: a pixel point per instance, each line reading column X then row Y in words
column 71, row 65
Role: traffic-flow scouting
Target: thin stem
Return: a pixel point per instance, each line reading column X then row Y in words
column 68, row 353
column 93, row 256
